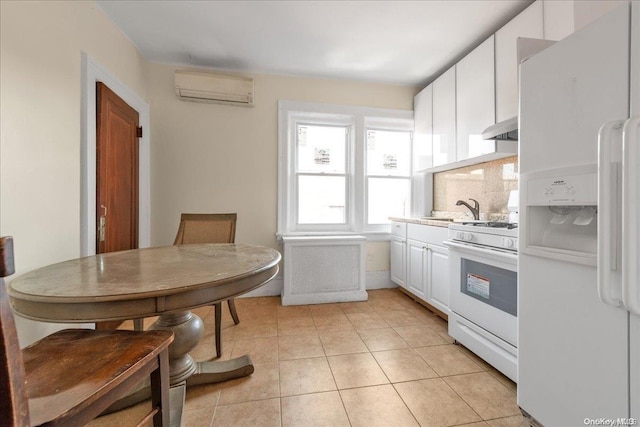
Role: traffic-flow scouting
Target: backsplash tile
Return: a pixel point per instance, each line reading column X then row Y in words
column 489, row 183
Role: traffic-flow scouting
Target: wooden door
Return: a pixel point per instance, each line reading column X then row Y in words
column 117, row 136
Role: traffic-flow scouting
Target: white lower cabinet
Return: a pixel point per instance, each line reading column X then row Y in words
column 438, row 277
column 398, row 260
column 420, row 264
column 416, row 268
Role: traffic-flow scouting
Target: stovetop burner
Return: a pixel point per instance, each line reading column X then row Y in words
column 493, row 224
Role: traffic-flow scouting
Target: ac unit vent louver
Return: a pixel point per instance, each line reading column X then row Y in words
column 214, row 88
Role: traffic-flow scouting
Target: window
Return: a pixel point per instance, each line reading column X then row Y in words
column 388, row 175
column 321, row 173
column 342, row 168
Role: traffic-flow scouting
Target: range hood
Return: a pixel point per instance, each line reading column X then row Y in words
column 504, row 131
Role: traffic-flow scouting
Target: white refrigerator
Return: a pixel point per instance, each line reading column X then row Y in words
column 579, row 291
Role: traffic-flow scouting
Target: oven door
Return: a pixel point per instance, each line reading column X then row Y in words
column 484, row 288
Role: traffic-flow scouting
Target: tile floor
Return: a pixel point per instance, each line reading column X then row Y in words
column 384, row 362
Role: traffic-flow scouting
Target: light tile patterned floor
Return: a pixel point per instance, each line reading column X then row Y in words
column 384, row 362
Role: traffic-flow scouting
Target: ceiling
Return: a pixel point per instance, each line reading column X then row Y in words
column 400, row 42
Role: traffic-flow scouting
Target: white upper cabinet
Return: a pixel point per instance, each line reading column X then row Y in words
column 480, row 90
column 444, row 118
column 529, row 23
column 475, row 100
column 423, row 129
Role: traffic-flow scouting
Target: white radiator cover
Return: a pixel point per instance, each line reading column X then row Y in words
column 323, row 269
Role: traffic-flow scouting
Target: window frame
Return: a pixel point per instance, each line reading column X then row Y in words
column 292, row 113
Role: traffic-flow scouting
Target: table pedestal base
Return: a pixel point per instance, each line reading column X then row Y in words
column 188, row 329
column 218, row 371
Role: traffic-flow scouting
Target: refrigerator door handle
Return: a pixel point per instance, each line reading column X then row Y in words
column 630, row 214
column 607, row 219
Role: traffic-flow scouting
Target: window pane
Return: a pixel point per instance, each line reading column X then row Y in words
column 321, row 148
column 388, row 153
column 387, row 197
column 321, row 200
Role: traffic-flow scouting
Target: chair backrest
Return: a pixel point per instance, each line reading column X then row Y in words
column 14, row 405
column 206, row 228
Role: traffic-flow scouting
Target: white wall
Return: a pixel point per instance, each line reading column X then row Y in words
column 218, row 158
column 40, row 46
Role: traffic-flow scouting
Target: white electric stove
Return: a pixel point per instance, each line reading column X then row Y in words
column 483, row 264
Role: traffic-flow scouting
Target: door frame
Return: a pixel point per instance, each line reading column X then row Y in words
column 93, row 72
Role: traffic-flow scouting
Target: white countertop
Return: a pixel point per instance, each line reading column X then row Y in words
column 422, row 221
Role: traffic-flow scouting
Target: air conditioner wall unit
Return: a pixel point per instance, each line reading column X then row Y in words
column 214, row 88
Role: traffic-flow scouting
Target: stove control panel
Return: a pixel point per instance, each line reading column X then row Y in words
column 500, row 238
column 508, row 243
column 464, row 236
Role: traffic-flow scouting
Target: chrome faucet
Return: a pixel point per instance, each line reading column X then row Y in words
column 475, row 210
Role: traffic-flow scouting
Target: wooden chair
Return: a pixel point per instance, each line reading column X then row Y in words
column 210, row 228
column 72, row 376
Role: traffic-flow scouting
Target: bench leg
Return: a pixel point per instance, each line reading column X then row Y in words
column 160, row 391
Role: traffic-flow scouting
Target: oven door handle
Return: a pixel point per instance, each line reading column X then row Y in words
column 475, row 249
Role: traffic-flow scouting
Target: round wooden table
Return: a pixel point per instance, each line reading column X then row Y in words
column 164, row 281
